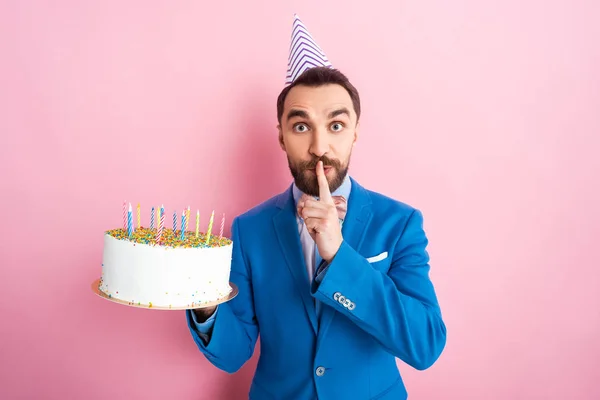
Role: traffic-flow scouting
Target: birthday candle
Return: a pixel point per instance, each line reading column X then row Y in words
column 210, row 223
column 187, row 218
column 157, row 217
column 124, row 216
column 174, row 221
column 197, row 222
column 129, row 221
column 183, row 224
column 139, row 224
column 152, row 218
column 161, row 223
column 222, row 226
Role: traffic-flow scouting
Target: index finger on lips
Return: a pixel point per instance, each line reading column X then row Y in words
column 324, row 193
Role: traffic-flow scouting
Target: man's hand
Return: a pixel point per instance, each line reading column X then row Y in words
column 321, row 218
column 202, row 314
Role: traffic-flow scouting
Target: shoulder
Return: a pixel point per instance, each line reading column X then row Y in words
column 405, row 216
column 382, row 204
column 396, row 218
column 389, row 211
column 264, row 210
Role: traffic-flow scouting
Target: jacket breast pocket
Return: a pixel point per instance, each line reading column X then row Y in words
column 380, row 261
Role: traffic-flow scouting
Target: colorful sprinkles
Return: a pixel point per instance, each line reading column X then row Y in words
column 169, row 238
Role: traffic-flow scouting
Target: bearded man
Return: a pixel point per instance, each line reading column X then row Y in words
column 333, row 277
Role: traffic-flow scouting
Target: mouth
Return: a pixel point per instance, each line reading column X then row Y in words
column 326, row 169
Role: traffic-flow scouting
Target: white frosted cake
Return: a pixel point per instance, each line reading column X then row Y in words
column 168, row 270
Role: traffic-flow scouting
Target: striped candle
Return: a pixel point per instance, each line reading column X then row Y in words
column 152, row 218
column 159, row 212
column 161, row 224
column 210, row 224
column 125, row 216
column 157, row 217
column 139, row 220
column 222, row 226
column 129, row 221
column 187, row 218
column 183, row 224
column 197, row 222
column 174, row 221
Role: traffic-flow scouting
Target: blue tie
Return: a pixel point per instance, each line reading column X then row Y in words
column 318, row 261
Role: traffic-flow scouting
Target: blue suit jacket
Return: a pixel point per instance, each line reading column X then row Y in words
column 378, row 303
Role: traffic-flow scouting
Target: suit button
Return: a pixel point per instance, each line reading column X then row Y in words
column 336, row 296
column 320, row 371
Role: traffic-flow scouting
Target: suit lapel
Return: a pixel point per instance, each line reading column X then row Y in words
column 354, row 228
column 286, row 227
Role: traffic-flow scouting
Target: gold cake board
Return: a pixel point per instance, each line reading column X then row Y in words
column 231, row 295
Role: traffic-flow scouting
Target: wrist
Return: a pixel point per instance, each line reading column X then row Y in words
column 330, row 258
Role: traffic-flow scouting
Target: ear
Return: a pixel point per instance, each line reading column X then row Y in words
column 280, row 136
column 356, row 131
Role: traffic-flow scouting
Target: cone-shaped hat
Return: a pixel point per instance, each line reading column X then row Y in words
column 304, row 52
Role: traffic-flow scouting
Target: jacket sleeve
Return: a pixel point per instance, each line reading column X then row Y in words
column 231, row 340
column 398, row 308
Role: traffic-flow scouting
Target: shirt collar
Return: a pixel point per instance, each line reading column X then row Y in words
column 343, row 190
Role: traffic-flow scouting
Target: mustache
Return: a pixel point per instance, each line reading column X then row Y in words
column 327, row 162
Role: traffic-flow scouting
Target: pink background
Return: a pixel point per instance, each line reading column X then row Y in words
column 485, row 115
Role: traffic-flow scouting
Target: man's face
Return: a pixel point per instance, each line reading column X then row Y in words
column 318, row 123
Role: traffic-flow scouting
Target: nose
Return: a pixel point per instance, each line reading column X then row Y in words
column 320, row 144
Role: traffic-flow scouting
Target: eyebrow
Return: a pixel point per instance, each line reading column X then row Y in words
column 302, row 114
column 297, row 113
column 341, row 111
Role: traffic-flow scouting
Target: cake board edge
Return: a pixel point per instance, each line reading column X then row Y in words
column 96, row 289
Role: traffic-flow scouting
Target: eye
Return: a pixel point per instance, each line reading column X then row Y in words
column 301, row 128
column 337, row 126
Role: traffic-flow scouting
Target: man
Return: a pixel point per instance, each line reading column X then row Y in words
column 334, row 277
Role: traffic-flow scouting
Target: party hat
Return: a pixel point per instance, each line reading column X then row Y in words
column 304, row 52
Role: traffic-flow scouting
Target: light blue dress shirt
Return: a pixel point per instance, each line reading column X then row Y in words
column 204, row 328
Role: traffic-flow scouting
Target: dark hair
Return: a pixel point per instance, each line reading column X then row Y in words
column 319, row 76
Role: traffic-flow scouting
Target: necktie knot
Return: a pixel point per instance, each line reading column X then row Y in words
column 341, row 205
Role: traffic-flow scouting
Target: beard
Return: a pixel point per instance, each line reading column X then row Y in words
column 307, row 181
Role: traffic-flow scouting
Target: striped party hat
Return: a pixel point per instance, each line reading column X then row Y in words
column 304, row 52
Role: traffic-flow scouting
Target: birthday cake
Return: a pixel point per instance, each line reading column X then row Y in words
column 165, row 267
